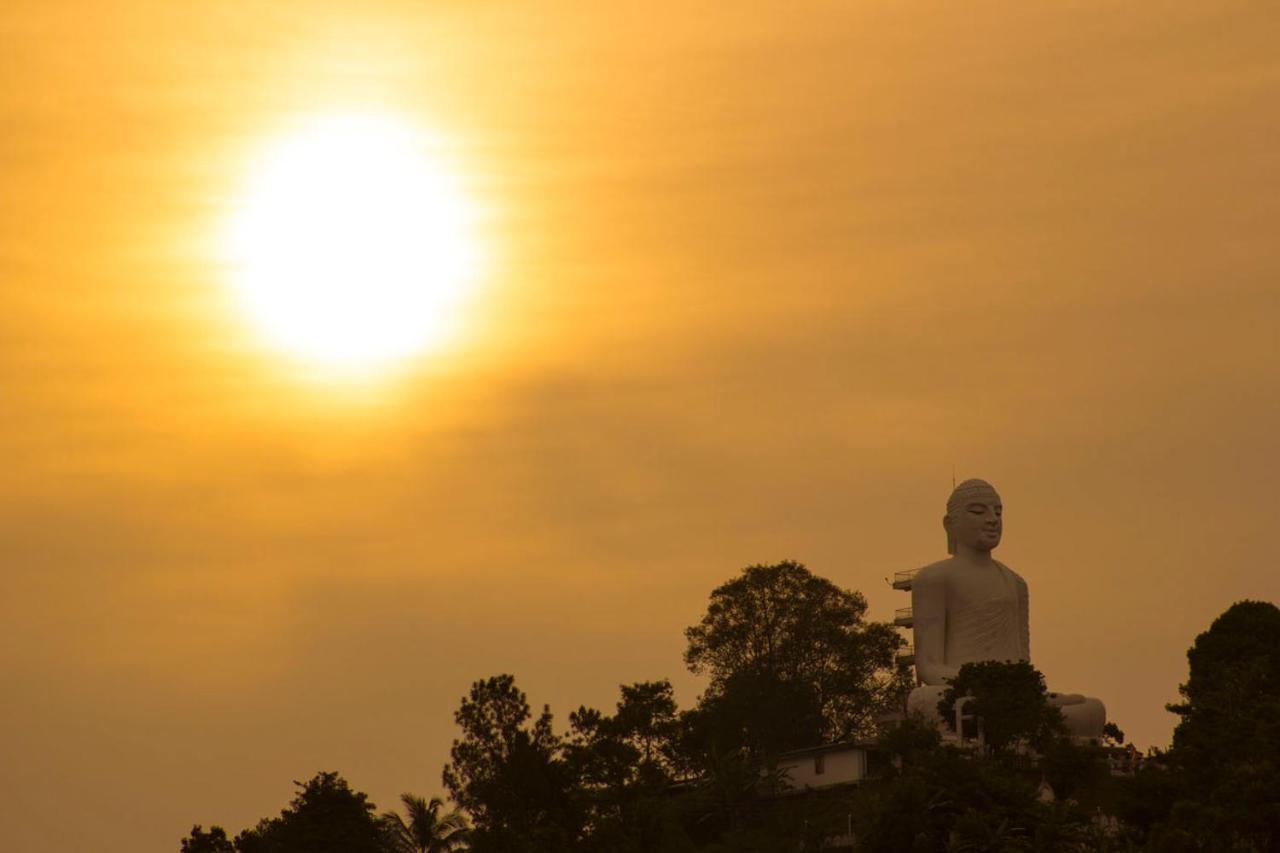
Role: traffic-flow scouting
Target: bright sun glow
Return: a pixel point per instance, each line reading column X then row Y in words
column 350, row 245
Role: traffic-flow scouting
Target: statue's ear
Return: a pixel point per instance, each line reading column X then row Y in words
column 951, row 539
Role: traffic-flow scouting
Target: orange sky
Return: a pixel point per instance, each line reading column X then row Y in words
column 757, row 281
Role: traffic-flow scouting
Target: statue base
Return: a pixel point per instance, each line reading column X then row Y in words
column 1085, row 717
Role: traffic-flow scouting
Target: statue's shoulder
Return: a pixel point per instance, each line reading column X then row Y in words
column 934, row 572
column 1017, row 577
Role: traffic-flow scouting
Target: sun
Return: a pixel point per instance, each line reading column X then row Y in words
column 351, row 245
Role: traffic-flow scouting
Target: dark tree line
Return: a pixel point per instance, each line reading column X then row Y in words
column 327, row 816
column 792, row 662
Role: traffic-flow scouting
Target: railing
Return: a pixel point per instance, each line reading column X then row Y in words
column 902, row 617
column 907, row 654
column 902, row 580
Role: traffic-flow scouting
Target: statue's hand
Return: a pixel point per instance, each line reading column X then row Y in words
column 1057, row 700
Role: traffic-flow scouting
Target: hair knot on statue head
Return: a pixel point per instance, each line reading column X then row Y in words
column 960, row 497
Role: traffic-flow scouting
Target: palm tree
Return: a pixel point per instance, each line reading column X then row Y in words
column 426, row 830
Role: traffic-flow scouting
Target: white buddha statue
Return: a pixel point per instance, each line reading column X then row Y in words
column 971, row 608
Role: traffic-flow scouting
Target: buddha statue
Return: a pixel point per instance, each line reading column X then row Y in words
column 970, row 608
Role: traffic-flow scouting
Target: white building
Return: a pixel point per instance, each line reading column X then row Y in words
column 824, row 766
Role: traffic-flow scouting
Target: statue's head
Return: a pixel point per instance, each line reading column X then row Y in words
column 973, row 516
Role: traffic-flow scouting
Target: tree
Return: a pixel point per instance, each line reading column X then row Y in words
column 779, row 631
column 325, row 817
column 1226, row 747
column 509, row 775
column 622, row 766
column 213, row 841
column 1232, row 695
column 426, row 830
column 1011, row 699
column 646, row 719
column 943, row 799
column 910, row 739
column 936, row 797
column 754, row 711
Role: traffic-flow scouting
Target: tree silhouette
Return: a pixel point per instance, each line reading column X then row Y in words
column 425, row 830
column 792, row 662
column 325, row 817
column 622, row 766
column 1226, row 748
column 1011, row 699
column 213, row 841
column 781, row 631
column 509, row 775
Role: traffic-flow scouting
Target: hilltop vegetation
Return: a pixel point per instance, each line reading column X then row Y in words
column 792, row 662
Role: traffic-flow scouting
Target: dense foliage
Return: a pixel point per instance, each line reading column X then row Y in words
column 788, row 651
column 508, row 772
column 1011, row 700
column 325, row 817
column 648, row 777
column 1225, row 757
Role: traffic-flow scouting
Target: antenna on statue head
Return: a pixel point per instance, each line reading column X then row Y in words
column 953, row 476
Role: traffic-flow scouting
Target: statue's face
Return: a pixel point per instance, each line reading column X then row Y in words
column 978, row 523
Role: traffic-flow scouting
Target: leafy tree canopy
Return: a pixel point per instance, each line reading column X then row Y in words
column 635, row 746
column 1011, row 699
column 213, row 841
column 509, row 774
column 942, row 799
column 1226, row 748
column 781, row 628
column 623, row 765
column 755, row 710
column 325, row 817
column 1113, row 733
column 1231, row 701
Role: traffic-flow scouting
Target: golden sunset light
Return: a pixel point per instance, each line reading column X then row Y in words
column 813, row 386
column 349, row 245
